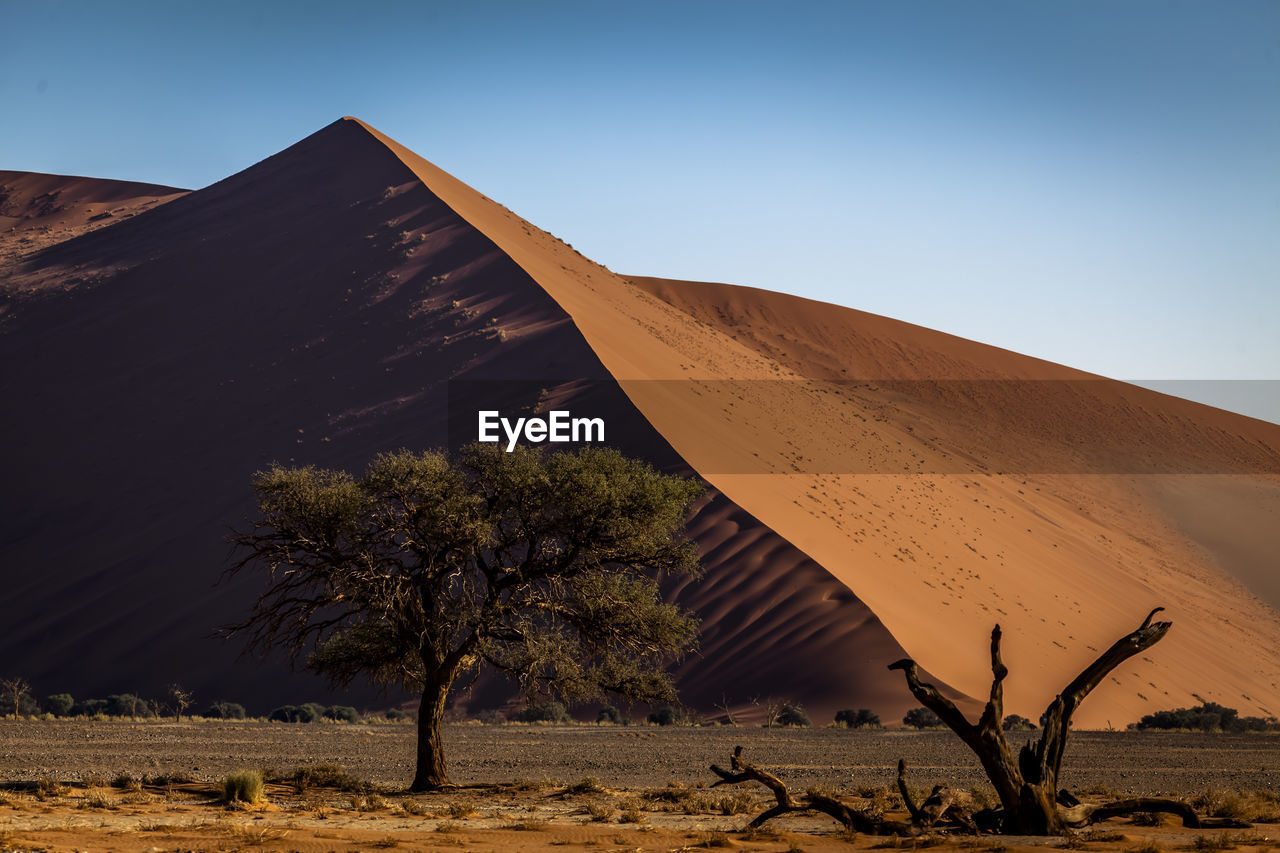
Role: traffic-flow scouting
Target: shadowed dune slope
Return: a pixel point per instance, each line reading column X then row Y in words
column 319, row 307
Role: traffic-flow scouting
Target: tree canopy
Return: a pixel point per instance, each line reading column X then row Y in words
column 541, row 565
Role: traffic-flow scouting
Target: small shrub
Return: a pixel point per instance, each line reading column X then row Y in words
column 859, row 719
column 460, row 809
column 324, row 776
column 666, row 716
column 491, row 717
column 395, row 715
column 413, row 807
column 793, row 715
column 128, row 705
column 342, row 713
column 1017, row 723
column 59, row 704
column 734, row 804
column 631, row 816
column 89, row 708
column 921, row 718
column 49, row 787
column 242, row 786
column 126, row 782
column 225, row 711
column 306, row 713
column 600, row 811
column 544, row 712
column 586, row 785
column 371, row 802
column 1145, row 847
column 609, row 714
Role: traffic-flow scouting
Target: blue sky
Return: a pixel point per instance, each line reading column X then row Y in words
column 1096, row 183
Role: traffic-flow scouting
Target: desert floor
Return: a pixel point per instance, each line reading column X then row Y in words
column 580, row 787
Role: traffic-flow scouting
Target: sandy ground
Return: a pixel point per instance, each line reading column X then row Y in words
column 619, row 756
column 539, row 788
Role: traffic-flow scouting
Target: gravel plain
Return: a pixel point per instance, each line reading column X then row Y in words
column 620, row 756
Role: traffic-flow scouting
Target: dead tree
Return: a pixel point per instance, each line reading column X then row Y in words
column 935, row 812
column 1028, row 785
column 1031, row 803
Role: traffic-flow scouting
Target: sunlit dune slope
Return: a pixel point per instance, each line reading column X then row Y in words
column 949, row 485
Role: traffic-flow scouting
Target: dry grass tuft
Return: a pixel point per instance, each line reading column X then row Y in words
column 586, row 785
column 1145, row 847
column 97, row 799
column 601, row 811
column 460, row 809
column 243, row 786
column 371, row 802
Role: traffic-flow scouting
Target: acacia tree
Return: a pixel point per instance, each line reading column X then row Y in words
column 540, row 565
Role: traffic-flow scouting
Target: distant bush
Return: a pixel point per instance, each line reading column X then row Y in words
column 226, row 711
column 59, row 704
column 395, row 714
column 127, row 705
column 1017, row 723
column 342, row 713
column 491, row 717
column 1208, row 717
column 544, row 712
column 296, row 713
column 609, row 714
column 793, row 715
column 921, row 718
column 666, row 716
column 859, row 719
column 89, row 708
column 244, row 786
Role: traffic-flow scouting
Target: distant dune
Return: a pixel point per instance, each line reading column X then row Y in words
column 875, row 489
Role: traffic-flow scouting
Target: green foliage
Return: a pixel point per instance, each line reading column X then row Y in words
column 396, row 715
column 89, row 708
column 243, row 786
column 308, row 712
column 667, row 715
column 862, row 718
column 1017, row 723
column 540, row 565
column 544, row 712
column 226, row 711
column 127, row 705
column 609, row 714
column 561, row 541
column 1208, row 717
column 921, row 718
column 59, row 704
column 793, row 715
column 342, row 713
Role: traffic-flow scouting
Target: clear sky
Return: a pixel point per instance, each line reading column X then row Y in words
column 1092, row 182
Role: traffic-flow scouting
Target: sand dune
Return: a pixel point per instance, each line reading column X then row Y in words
column 875, row 487
column 303, row 313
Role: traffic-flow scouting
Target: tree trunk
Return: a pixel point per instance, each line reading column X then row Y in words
column 1028, row 785
column 431, row 773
